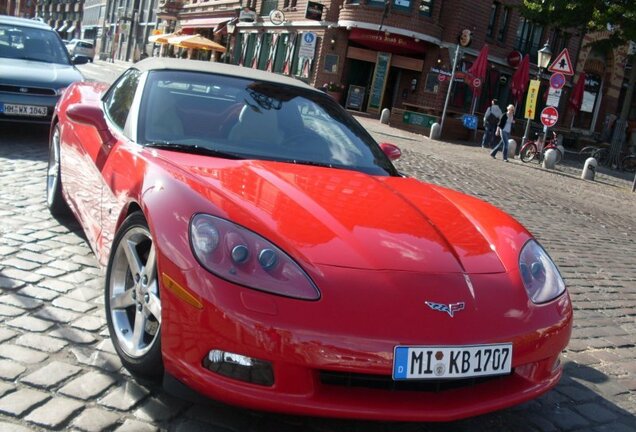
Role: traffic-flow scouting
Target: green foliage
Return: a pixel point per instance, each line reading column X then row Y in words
column 586, row 16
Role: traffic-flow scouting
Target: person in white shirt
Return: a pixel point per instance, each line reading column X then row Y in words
column 503, row 131
column 491, row 120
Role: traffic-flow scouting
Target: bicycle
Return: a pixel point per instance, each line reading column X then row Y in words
column 626, row 161
column 601, row 154
column 537, row 148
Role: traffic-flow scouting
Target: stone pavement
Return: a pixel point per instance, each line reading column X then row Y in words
column 58, row 370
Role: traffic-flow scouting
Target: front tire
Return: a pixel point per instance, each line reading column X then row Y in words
column 528, row 152
column 132, row 300
column 54, row 199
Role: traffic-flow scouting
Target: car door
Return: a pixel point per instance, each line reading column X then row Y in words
column 118, row 173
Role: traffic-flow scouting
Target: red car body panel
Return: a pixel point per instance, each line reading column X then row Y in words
column 377, row 248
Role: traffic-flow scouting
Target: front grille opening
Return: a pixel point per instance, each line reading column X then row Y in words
column 38, row 91
column 383, row 382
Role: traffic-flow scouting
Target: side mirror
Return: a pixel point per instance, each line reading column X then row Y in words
column 92, row 116
column 392, row 151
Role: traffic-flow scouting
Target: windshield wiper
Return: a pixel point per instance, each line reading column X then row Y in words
column 310, row 163
column 191, row 148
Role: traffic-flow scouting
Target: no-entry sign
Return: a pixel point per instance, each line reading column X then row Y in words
column 549, row 116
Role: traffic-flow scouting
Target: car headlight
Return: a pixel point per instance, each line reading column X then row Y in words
column 540, row 275
column 241, row 256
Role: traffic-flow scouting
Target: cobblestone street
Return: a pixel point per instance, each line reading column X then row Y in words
column 59, row 371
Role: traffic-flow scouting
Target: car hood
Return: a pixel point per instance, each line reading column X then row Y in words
column 35, row 73
column 350, row 219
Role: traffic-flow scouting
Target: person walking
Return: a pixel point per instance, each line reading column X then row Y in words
column 503, row 130
column 491, row 120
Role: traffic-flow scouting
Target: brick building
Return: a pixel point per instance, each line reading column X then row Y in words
column 386, row 54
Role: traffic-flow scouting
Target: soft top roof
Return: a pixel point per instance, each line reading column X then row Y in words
column 165, row 63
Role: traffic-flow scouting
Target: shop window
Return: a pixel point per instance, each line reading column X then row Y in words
column 281, row 51
column 528, row 37
column 426, row 7
column 265, row 51
column 494, row 11
column 331, row 63
column 503, row 24
column 432, row 82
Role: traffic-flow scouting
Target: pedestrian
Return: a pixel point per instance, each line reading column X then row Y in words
column 491, row 120
column 503, row 131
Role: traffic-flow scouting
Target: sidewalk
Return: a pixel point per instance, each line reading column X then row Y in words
column 572, row 165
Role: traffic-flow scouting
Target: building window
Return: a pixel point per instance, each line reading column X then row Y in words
column 494, row 10
column 560, row 40
column 528, row 37
column 401, row 5
column 331, row 63
column 426, row 7
column 503, row 24
column 267, row 6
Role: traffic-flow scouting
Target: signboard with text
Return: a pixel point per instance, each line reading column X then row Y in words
column 307, row 46
column 531, row 99
column 380, row 75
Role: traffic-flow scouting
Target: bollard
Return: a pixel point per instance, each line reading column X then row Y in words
column 434, row 134
column 589, row 169
column 385, row 116
column 549, row 159
column 512, row 148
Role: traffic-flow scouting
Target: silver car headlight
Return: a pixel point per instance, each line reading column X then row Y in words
column 540, row 275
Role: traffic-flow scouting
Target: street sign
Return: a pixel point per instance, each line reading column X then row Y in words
column 307, row 45
column 553, row 97
column 557, row 80
column 562, row 63
column 549, row 116
column 531, row 99
column 469, row 121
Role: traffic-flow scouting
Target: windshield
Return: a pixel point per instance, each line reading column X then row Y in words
column 31, row 44
column 254, row 120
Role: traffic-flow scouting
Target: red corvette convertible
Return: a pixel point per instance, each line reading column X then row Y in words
column 261, row 248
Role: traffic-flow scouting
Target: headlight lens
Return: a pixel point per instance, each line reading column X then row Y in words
column 241, row 256
column 539, row 274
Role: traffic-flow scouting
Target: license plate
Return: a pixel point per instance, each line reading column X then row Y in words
column 437, row 362
column 24, row 110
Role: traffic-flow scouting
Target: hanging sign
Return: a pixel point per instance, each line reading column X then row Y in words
column 314, row 11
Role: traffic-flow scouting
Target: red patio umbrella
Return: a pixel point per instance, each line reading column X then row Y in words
column 520, row 79
column 478, row 71
column 576, row 98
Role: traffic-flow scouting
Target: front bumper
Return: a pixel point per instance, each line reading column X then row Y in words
column 323, row 355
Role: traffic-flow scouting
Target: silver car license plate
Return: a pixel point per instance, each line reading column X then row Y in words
column 24, row 110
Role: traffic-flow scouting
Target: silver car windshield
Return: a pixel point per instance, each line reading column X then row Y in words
column 28, row 43
column 243, row 118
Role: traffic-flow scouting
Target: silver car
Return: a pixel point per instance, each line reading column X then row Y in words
column 35, row 68
column 77, row 47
